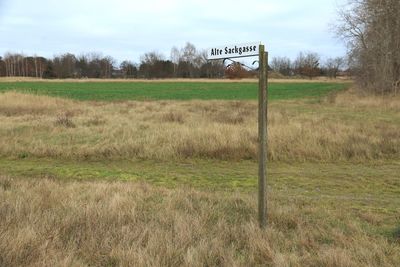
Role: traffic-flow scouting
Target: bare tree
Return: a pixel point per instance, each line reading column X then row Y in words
column 307, row 64
column 107, row 66
column 371, row 30
column 2, row 67
column 129, row 70
column 283, row 65
column 151, row 57
column 154, row 65
column 175, row 57
column 333, row 66
column 188, row 58
column 64, row 66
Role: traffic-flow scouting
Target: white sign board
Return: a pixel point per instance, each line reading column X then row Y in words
column 233, row 51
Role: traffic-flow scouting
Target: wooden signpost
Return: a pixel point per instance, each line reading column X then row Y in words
column 247, row 50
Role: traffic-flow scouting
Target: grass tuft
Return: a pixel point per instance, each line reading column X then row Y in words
column 173, row 116
column 64, row 119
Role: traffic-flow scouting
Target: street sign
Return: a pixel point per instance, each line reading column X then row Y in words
column 247, row 50
column 233, row 51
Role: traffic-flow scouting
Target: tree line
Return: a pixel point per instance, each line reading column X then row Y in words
column 185, row 62
column 309, row 65
column 63, row 66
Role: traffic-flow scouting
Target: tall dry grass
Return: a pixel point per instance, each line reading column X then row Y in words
column 16, row 104
column 340, row 127
column 50, row 223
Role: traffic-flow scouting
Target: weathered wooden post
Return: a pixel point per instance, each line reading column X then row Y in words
column 262, row 136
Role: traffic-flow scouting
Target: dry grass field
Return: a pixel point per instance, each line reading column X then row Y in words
column 339, row 127
column 51, row 223
column 173, row 183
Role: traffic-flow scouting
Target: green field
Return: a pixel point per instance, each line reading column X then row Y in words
column 115, row 91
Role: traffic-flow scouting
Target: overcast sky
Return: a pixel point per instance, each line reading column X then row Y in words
column 125, row 29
